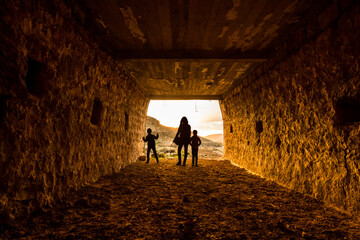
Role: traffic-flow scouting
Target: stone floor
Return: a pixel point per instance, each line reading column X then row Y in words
column 216, row 200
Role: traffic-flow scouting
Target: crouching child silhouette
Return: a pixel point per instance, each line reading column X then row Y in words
column 195, row 142
column 150, row 139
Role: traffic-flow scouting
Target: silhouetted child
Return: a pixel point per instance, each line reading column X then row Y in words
column 195, row 142
column 150, row 139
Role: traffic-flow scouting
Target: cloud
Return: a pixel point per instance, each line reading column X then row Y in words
column 212, row 118
column 210, row 126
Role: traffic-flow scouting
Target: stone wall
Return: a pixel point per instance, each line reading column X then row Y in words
column 69, row 114
column 296, row 119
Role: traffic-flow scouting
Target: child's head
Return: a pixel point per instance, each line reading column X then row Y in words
column 149, row 130
column 195, row 132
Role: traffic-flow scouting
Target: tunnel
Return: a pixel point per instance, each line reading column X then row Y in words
column 77, row 78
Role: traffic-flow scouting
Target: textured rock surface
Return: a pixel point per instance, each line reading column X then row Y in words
column 162, row 201
column 68, row 112
column 308, row 104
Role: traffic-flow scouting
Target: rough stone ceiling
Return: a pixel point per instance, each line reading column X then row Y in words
column 192, row 49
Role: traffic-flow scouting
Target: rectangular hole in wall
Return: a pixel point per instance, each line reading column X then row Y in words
column 277, row 142
column 126, row 121
column 35, row 78
column 2, row 106
column 259, row 126
column 97, row 112
column 347, row 111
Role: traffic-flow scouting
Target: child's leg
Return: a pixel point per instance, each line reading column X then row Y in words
column 196, row 156
column 193, row 156
column 148, row 155
column 156, row 156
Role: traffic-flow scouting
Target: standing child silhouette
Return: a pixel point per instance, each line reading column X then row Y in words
column 195, row 142
column 150, row 139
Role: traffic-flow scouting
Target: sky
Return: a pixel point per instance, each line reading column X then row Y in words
column 203, row 115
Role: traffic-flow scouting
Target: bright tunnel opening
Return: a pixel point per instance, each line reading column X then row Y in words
column 163, row 117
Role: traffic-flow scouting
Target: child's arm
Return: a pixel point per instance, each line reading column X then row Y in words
column 157, row 136
column 144, row 139
column 199, row 142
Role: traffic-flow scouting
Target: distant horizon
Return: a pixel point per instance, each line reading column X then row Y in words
column 176, row 128
column 203, row 115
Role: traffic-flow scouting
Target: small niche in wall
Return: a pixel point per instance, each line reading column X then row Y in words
column 35, row 77
column 231, row 129
column 259, row 126
column 278, row 142
column 2, row 107
column 347, row 111
column 97, row 112
column 126, row 121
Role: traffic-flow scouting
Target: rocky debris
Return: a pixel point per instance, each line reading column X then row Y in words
column 162, row 201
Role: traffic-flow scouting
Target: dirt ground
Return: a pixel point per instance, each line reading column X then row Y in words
column 216, row 200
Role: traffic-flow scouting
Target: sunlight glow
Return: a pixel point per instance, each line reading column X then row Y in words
column 203, row 115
